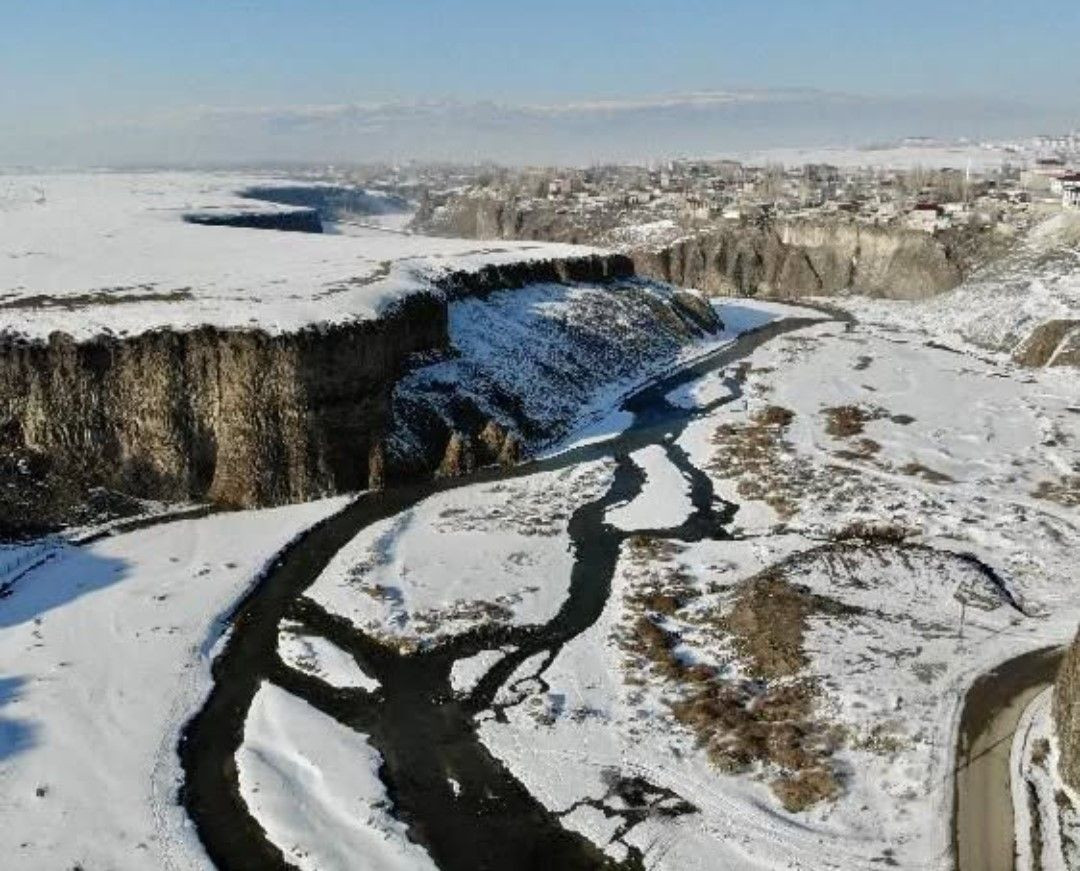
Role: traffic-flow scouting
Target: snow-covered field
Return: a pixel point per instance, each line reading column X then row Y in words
column 494, row 553
column 950, row 451
column 314, row 786
column 315, row 655
column 105, row 651
column 665, row 499
column 92, row 253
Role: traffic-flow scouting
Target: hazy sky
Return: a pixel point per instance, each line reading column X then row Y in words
column 194, row 80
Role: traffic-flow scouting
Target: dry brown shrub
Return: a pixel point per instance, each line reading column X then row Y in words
column 863, row 449
column 844, row 421
column 754, row 454
column 766, row 717
column 768, row 622
column 1065, row 492
column 767, row 625
column 865, row 532
column 803, row 789
column 774, row 415
column 647, row 548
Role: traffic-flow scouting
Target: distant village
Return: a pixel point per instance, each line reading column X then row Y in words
column 1033, row 180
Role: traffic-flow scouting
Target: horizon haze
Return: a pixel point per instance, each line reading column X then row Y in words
column 283, row 81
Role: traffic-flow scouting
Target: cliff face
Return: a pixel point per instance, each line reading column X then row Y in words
column 794, row 260
column 240, row 418
column 486, row 217
column 293, row 221
column 1066, row 714
column 237, row 417
column 786, row 260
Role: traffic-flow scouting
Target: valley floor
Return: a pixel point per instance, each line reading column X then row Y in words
column 818, row 549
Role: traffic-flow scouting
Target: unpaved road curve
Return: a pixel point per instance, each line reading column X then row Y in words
column 983, row 830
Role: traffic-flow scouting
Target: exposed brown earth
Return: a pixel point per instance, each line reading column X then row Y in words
column 766, row 715
column 1056, row 343
column 1065, row 491
column 753, row 453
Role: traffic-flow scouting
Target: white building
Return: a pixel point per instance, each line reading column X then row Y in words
column 926, row 217
column 1070, row 191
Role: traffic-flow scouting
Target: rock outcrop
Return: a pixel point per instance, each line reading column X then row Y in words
column 1066, row 714
column 234, row 417
column 785, row 259
column 1053, row 343
column 289, row 221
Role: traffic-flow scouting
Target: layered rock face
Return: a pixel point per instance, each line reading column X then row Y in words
column 803, row 259
column 487, row 217
column 1053, row 343
column 236, row 417
column 1066, row 713
column 786, row 260
column 292, row 221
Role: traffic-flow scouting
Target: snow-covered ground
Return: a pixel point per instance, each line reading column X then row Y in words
column 950, row 450
column 92, row 253
column 786, row 699
column 489, row 553
column 664, row 501
column 467, row 672
column 105, row 651
column 314, row 655
column 902, row 529
column 314, row 786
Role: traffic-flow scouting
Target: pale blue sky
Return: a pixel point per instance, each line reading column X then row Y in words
column 71, row 69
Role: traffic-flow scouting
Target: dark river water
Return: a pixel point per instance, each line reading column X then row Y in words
column 424, row 732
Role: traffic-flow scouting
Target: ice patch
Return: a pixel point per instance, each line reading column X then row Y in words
column 313, row 785
column 323, row 659
column 664, row 501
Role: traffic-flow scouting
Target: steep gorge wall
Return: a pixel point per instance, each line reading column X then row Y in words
column 785, row 260
column 805, row 259
column 237, row 417
column 288, row 221
column 1066, row 714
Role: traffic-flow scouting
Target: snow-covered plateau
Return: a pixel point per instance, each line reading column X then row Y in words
column 117, row 253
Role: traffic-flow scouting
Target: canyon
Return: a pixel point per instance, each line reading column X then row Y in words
column 782, row 259
column 243, row 417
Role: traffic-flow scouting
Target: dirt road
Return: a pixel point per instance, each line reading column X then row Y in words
column 983, row 830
